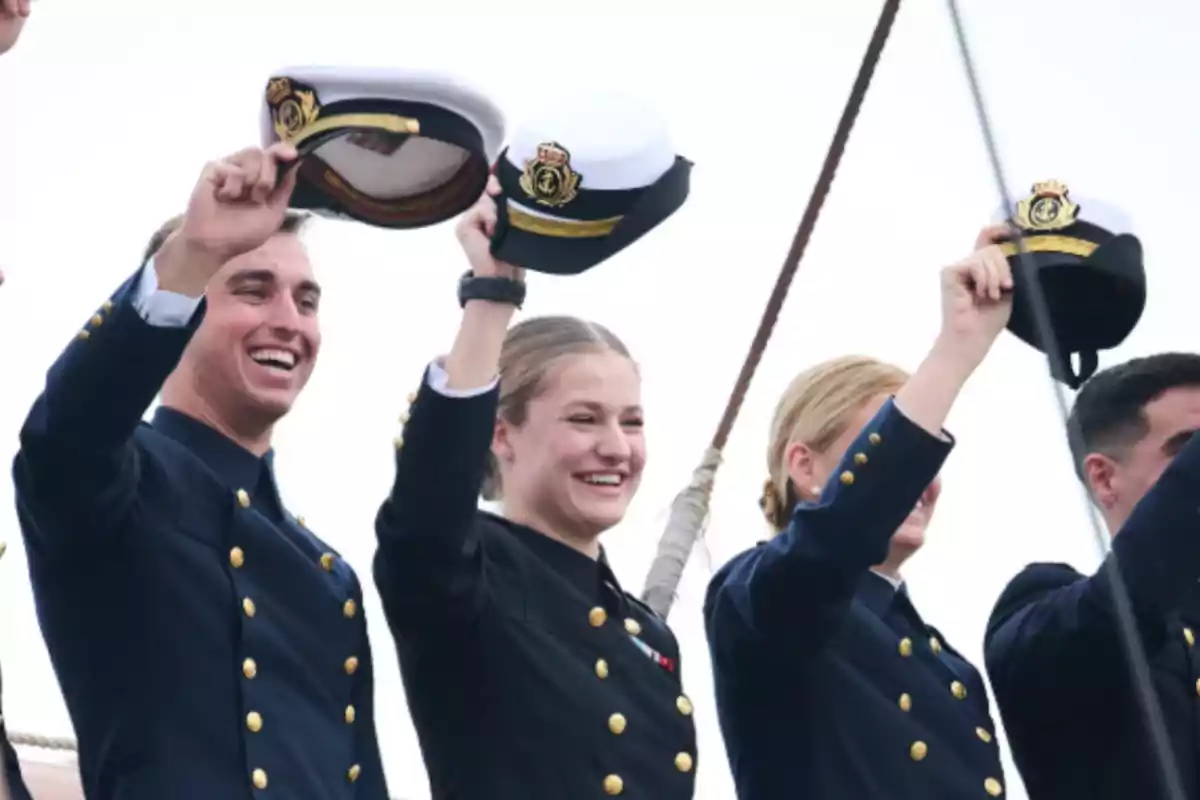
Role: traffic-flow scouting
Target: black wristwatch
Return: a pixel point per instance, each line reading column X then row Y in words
column 495, row 289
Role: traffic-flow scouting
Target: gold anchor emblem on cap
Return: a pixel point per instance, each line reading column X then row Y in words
column 548, row 178
column 1047, row 209
column 292, row 109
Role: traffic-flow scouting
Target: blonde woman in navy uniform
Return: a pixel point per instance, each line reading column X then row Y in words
column 829, row 683
column 529, row 671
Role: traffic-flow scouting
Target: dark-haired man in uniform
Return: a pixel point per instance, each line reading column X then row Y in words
column 1053, row 648
column 207, row 644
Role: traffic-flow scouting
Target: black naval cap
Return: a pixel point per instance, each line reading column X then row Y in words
column 389, row 147
column 1089, row 267
column 584, row 180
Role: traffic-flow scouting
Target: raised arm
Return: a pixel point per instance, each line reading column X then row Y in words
column 793, row 590
column 798, row 585
column 429, row 560
column 1052, row 642
column 77, row 471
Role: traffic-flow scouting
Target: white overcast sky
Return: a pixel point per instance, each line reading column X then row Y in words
column 108, row 111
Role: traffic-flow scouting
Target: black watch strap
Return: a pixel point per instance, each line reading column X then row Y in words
column 495, row 289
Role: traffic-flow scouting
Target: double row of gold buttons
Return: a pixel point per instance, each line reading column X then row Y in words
column 918, row 750
column 254, row 719
column 615, row 784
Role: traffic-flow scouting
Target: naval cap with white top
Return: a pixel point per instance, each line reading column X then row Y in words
column 583, row 179
column 394, row 148
column 1088, row 264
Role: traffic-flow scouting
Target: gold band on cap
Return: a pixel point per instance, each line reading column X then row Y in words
column 392, row 123
column 561, row 228
column 1068, row 245
column 297, row 115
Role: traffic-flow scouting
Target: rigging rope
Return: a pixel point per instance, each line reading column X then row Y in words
column 689, row 511
column 1126, row 625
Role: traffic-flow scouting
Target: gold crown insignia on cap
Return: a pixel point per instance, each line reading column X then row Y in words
column 1047, row 209
column 548, row 178
column 292, row 109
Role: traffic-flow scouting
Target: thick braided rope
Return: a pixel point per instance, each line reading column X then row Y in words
column 49, row 742
column 42, row 742
column 1126, row 626
column 690, row 509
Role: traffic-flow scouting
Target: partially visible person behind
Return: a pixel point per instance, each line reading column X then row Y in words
column 530, row 672
column 12, row 785
column 13, row 14
column 1053, row 649
column 829, row 683
column 208, row 645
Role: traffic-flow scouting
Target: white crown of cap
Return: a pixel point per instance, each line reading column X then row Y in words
column 615, row 141
column 334, row 84
column 1097, row 212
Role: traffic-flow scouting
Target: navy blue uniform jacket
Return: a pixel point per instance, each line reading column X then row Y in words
column 208, row 646
column 1059, row 671
column 829, row 685
column 529, row 674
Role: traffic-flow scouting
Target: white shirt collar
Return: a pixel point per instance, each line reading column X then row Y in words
column 895, row 582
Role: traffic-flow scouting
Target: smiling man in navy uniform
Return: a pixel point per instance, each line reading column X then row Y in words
column 207, row 645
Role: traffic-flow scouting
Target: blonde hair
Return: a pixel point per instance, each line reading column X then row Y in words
column 531, row 349
column 815, row 409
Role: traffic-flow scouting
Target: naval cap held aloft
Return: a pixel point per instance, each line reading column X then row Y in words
column 583, row 179
column 394, row 148
column 1088, row 264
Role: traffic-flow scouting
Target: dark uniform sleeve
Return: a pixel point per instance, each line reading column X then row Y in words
column 796, row 587
column 76, row 470
column 1052, row 642
column 429, row 564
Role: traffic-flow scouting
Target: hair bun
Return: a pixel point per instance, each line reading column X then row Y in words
column 770, row 502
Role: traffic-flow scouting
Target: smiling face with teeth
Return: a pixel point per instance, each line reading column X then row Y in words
column 573, row 464
column 258, row 342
